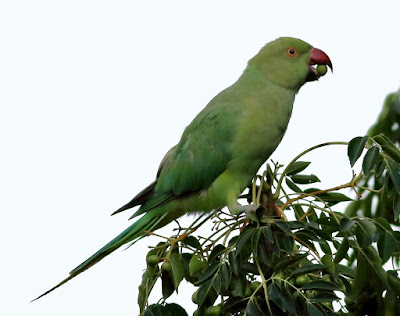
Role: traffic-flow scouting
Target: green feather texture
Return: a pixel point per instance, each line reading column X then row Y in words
column 221, row 150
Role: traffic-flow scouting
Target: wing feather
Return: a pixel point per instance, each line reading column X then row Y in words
column 202, row 154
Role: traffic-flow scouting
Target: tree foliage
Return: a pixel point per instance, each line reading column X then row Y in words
column 298, row 253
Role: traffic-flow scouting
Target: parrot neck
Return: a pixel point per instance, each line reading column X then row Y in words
column 255, row 81
column 252, row 69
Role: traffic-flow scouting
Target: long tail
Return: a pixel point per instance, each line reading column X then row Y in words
column 132, row 234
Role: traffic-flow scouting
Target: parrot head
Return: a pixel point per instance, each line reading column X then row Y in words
column 289, row 62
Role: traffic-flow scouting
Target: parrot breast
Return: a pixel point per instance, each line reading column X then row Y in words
column 261, row 127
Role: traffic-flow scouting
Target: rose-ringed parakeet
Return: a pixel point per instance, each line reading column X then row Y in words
column 225, row 145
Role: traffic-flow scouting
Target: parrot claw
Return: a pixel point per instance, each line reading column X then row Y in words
column 249, row 209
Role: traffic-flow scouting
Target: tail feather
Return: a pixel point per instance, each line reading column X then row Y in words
column 132, row 233
column 139, row 199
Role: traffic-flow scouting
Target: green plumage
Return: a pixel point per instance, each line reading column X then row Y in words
column 223, row 147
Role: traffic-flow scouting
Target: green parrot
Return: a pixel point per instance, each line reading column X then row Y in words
column 224, row 146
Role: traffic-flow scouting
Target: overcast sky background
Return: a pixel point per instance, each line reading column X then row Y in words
column 93, row 93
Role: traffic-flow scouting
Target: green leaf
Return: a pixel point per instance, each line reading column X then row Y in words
column 175, row 310
column 368, row 226
column 267, row 233
column 331, row 267
column 196, row 264
column 167, row 285
column 313, row 311
column 144, row 289
column 157, row 310
column 396, row 208
column 383, row 222
column 381, row 273
column 209, row 272
column 253, row 309
column 233, row 241
column 321, row 285
column 394, row 173
column 365, row 232
column 231, row 304
column 386, row 246
column 311, row 190
column 392, row 151
column 226, row 275
column 297, row 167
column 355, row 149
column 217, row 283
column 396, row 234
column 308, row 234
column 255, row 239
column 363, row 239
column 347, row 271
column 328, row 223
column 305, row 178
column 394, row 283
column 289, row 261
column 283, row 226
column 306, row 241
column 346, row 224
column 242, row 240
column 292, row 186
column 325, row 247
column 234, row 263
column 250, row 268
column 203, row 292
column 373, row 255
column 370, row 159
column 186, row 257
column 348, row 289
column 263, row 254
column 324, row 234
column 216, row 252
column 288, row 244
column 238, row 285
column 281, row 299
column 380, row 167
column 388, row 147
column 307, row 269
column 342, row 250
column 177, row 269
column 352, row 208
column 324, row 297
column 312, row 217
column 334, row 197
column 362, row 276
column 192, row 241
column 297, row 224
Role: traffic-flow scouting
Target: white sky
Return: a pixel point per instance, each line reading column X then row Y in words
column 93, row 93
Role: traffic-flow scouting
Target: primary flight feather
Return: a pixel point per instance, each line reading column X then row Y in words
column 224, row 146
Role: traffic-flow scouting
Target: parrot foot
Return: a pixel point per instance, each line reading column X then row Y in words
column 248, row 209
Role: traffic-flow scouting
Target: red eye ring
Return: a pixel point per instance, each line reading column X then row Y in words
column 291, row 52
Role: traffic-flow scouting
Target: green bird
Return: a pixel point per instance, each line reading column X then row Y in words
column 224, row 146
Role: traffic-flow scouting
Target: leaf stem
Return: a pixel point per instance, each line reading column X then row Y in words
column 300, row 155
column 264, row 284
column 302, row 196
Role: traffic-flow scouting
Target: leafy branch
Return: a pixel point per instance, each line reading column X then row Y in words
column 295, row 254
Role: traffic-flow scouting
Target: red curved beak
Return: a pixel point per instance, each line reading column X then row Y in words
column 318, row 57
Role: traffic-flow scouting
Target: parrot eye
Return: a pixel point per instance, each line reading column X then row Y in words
column 291, row 52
